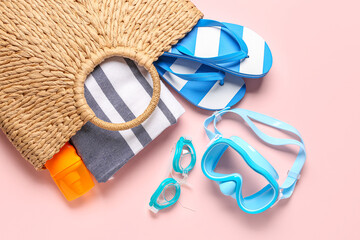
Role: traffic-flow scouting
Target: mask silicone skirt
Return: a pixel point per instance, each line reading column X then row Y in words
column 231, row 184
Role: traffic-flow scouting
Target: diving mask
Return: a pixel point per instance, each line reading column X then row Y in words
column 231, row 184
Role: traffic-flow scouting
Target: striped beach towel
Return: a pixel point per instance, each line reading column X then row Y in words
column 118, row 91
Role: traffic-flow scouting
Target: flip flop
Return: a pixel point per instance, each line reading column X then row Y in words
column 203, row 86
column 227, row 47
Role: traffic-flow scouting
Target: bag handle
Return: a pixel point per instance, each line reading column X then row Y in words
column 88, row 114
column 140, row 119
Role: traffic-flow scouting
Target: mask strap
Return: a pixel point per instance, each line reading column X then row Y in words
column 215, row 117
column 288, row 186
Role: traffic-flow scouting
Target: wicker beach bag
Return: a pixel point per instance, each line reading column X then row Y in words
column 48, row 47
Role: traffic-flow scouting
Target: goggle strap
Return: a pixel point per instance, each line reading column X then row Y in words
column 187, row 208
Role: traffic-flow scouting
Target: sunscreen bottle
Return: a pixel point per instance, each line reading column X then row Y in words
column 69, row 173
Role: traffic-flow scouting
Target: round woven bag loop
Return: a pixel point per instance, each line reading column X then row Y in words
column 88, row 114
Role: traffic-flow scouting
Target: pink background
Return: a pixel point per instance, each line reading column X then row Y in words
column 313, row 85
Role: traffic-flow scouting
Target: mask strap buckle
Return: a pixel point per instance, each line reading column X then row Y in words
column 294, row 175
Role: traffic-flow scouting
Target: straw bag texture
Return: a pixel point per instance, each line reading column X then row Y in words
column 48, row 47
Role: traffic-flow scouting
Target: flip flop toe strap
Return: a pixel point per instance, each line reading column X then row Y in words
column 231, row 57
column 199, row 76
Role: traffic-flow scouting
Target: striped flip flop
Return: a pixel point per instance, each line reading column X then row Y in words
column 228, row 47
column 203, row 86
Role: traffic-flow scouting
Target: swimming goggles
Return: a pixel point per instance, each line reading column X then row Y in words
column 168, row 192
column 231, row 184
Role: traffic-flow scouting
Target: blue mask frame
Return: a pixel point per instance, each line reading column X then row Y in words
column 181, row 144
column 231, row 184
